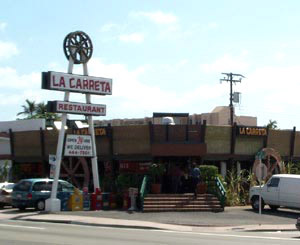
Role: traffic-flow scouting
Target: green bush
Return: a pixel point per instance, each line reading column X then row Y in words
column 156, row 170
column 208, row 172
column 124, row 181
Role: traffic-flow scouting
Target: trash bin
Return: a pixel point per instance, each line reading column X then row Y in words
column 64, row 200
column 105, row 200
column 76, row 201
column 96, row 200
column 86, row 199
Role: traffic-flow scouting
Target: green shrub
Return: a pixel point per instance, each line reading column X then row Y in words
column 124, row 181
column 156, row 170
column 208, row 172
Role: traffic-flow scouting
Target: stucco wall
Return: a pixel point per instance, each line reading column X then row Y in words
column 248, row 145
column 217, row 139
column 27, row 144
column 280, row 140
column 131, row 140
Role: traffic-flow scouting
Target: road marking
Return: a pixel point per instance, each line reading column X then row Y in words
column 25, row 227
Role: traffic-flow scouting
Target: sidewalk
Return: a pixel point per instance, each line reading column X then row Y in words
column 233, row 219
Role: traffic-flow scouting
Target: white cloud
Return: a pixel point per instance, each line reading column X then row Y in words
column 9, row 79
column 108, row 27
column 279, row 56
column 158, row 17
column 227, row 63
column 7, row 50
column 134, row 37
column 2, row 26
column 271, row 92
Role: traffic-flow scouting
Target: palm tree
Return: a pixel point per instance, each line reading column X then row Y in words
column 29, row 109
column 272, row 124
column 33, row 110
column 42, row 112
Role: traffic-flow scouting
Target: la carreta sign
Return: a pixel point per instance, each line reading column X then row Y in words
column 76, row 83
column 251, row 131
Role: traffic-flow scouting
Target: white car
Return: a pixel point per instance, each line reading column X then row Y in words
column 280, row 190
column 5, row 193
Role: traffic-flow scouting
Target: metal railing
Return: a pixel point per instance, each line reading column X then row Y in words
column 221, row 192
column 144, row 190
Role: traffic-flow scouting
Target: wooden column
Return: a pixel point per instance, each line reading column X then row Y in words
column 202, row 131
column 43, row 155
column 233, row 139
column 292, row 144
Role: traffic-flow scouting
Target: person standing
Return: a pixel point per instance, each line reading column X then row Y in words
column 195, row 178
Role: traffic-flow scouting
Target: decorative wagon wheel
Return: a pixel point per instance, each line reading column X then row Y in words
column 272, row 160
column 79, row 46
column 76, row 171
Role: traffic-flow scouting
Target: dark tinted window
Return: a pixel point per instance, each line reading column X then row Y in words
column 274, row 182
column 42, row 186
column 23, row 186
column 67, row 187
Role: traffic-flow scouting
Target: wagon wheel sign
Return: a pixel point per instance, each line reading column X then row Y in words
column 79, row 46
column 76, row 171
column 271, row 159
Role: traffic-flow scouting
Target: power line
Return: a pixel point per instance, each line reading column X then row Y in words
column 230, row 79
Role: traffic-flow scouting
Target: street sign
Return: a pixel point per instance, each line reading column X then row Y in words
column 261, row 172
column 78, row 146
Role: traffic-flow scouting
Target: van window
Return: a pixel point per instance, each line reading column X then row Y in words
column 274, row 182
column 42, row 186
column 23, row 186
column 67, row 187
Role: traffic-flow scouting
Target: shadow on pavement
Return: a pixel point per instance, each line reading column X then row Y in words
column 285, row 213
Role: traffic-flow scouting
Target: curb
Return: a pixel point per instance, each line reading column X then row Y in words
column 93, row 224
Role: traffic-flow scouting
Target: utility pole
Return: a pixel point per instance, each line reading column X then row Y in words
column 230, row 79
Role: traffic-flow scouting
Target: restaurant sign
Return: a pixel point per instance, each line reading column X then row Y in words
column 76, row 108
column 78, row 146
column 251, row 131
column 76, row 83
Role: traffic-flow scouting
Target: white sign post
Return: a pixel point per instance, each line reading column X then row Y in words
column 261, row 172
column 78, row 49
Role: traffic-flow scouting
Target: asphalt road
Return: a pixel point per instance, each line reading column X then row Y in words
column 18, row 232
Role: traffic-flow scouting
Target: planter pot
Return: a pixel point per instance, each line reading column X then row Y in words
column 201, row 188
column 156, row 188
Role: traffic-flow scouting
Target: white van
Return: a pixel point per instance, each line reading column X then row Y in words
column 280, row 190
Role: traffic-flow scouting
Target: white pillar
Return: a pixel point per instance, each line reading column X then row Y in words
column 223, row 169
column 238, row 168
column 92, row 133
column 53, row 203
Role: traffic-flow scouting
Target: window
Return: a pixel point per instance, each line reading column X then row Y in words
column 273, row 182
column 42, row 186
column 23, row 186
column 67, row 187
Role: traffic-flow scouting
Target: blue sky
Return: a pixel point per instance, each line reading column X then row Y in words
column 163, row 56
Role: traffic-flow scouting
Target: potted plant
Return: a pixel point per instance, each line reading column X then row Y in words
column 207, row 174
column 156, row 170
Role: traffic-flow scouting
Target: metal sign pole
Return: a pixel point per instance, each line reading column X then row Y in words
column 92, row 133
column 53, row 204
